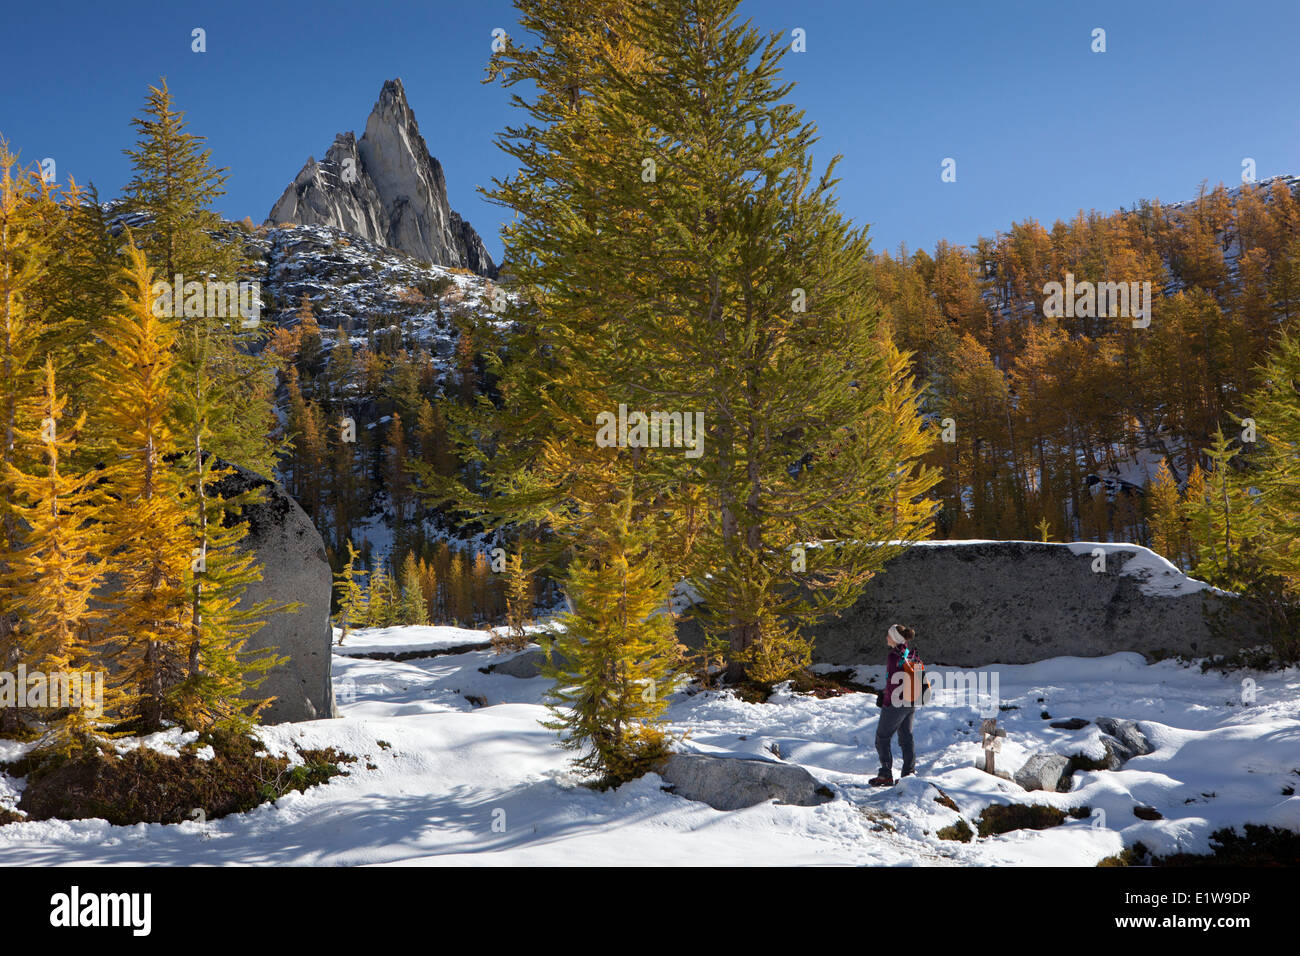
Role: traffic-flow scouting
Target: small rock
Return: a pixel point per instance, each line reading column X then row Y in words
column 1074, row 723
column 1147, row 813
column 1044, row 772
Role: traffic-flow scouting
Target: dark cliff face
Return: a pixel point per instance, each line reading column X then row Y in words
column 975, row 603
column 385, row 187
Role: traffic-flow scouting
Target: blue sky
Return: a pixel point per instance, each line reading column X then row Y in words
column 1039, row 125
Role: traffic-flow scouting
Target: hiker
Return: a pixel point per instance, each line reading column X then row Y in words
column 897, row 708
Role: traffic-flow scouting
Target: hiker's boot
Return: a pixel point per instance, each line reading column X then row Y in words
column 881, row 781
column 907, row 773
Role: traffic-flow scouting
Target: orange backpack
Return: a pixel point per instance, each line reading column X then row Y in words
column 913, row 671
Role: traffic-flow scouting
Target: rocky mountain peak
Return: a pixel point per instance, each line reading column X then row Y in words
column 385, row 187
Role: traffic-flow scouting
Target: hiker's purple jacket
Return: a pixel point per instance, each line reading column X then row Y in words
column 893, row 665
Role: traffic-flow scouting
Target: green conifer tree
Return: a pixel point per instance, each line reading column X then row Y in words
column 682, row 256
column 1276, row 407
column 413, row 608
column 174, row 184
column 220, row 671
column 351, row 599
column 616, row 657
column 381, row 610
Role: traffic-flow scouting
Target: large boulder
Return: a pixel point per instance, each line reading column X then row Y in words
column 733, row 783
column 975, row 603
column 294, row 570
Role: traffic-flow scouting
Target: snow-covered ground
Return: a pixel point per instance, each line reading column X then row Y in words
column 443, row 781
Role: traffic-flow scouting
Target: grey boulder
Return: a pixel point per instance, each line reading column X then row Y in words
column 527, row 665
column 975, row 603
column 1045, row 772
column 1123, row 741
column 733, row 783
column 294, row 570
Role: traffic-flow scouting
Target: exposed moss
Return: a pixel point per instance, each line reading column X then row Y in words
column 1005, row 817
column 819, row 685
column 959, row 831
column 1135, row 855
column 1252, row 658
column 828, row 684
column 1257, row 846
column 145, row 786
column 1078, row 762
column 944, row 800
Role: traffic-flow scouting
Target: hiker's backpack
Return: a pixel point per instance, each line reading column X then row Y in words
column 914, row 686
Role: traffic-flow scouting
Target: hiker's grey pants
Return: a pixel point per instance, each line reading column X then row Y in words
column 895, row 720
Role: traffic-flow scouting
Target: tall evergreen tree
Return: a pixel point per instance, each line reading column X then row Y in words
column 1276, row 408
column 174, row 183
column 681, row 256
column 1225, row 521
column 219, row 671
column 151, row 541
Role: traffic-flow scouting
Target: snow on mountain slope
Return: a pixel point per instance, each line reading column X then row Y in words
column 351, row 280
column 437, row 772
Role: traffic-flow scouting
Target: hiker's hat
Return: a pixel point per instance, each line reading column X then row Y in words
column 895, row 635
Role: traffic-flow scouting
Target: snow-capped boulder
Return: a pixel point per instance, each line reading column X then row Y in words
column 974, row 603
column 294, row 569
column 733, row 783
column 1045, row 772
column 386, row 188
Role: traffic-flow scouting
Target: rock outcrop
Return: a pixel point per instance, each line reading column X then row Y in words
column 294, row 569
column 974, row 603
column 527, row 665
column 1123, row 740
column 385, row 187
